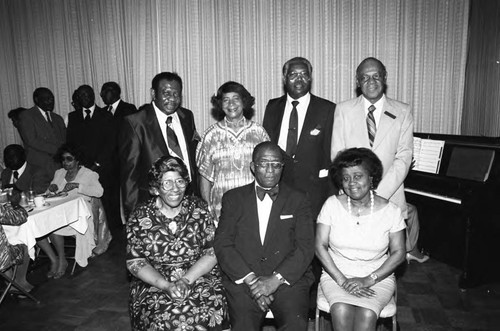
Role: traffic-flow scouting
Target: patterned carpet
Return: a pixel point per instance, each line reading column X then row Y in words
column 95, row 298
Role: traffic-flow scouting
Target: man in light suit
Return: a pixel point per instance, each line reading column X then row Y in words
column 392, row 136
column 42, row 132
column 264, row 245
column 145, row 136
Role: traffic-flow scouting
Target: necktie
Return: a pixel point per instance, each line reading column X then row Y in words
column 47, row 114
column 293, row 127
column 172, row 140
column 16, row 175
column 87, row 117
column 273, row 193
column 110, row 109
column 370, row 124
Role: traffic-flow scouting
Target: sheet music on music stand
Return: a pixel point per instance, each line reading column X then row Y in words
column 427, row 154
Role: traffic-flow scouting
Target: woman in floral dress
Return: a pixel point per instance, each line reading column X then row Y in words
column 224, row 154
column 176, row 283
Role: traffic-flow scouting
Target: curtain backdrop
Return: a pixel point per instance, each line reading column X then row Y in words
column 62, row 44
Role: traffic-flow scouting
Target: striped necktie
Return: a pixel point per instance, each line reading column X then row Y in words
column 370, row 124
column 172, row 140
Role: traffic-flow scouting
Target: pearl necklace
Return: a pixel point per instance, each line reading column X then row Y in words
column 349, row 205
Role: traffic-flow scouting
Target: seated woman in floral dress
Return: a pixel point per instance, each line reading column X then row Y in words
column 176, row 283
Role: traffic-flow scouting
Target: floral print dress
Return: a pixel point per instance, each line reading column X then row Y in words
column 172, row 246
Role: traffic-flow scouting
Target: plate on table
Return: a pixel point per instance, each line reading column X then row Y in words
column 45, row 205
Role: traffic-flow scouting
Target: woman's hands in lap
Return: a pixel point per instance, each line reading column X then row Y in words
column 359, row 286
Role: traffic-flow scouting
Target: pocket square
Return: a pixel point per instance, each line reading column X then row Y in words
column 285, row 217
column 314, row 132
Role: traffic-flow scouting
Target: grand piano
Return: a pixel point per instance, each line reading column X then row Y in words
column 459, row 207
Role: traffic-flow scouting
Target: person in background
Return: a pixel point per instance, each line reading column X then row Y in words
column 384, row 125
column 111, row 96
column 179, row 272
column 360, row 241
column 14, row 116
column 226, row 148
column 42, row 132
column 162, row 128
column 14, row 254
column 265, row 244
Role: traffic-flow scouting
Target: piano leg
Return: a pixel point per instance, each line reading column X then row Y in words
column 464, row 282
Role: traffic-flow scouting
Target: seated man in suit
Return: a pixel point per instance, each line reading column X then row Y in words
column 264, row 245
column 19, row 174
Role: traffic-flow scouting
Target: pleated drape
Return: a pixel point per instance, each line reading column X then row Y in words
column 62, row 44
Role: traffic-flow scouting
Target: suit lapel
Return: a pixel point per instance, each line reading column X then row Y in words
column 274, row 216
column 278, row 119
column 155, row 130
column 387, row 120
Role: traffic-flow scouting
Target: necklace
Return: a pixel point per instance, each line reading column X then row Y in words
column 237, row 150
column 349, row 205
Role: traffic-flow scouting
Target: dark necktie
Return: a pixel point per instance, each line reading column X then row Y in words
column 16, row 175
column 47, row 114
column 110, row 109
column 173, row 142
column 87, row 117
column 273, row 193
column 370, row 124
column 293, row 127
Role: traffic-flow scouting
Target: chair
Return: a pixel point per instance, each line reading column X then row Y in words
column 322, row 307
column 11, row 282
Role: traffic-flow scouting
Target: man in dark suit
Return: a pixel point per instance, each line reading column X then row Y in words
column 264, row 245
column 111, row 96
column 42, row 132
column 145, row 136
column 20, row 175
column 306, row 140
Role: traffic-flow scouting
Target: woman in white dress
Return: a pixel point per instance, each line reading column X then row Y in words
column 360, row 240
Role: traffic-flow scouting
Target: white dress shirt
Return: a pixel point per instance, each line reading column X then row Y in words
column 301, row 113
column 19, row 173
column 114, row 106
column 92, row 109
column 176, row 126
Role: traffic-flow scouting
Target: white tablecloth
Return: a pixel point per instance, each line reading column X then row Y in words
column 69, row 215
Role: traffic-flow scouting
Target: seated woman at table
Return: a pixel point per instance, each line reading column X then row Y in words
column 360, row 240
column 14, row 254
column 74, row 179
column 170, row 255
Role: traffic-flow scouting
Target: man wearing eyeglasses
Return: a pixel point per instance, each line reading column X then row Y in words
column 384, row 125
column 264, row 245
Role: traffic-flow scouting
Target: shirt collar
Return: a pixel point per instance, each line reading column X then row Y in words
column 162, row 117
column 303, row 100
column 21, row 170
column 378, row 105
column 115, row 105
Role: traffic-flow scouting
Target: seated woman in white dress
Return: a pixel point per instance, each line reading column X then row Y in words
column 74, row 179
column 360, row 240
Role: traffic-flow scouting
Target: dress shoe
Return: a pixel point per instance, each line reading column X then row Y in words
column 410, row 257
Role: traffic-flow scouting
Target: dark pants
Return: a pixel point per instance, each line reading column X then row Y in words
column 290, row 307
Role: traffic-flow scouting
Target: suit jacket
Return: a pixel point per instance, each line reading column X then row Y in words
column 32, row 177
column 123, row 109
column 393, row 142
column 142, row 143
column 41, row 140
column 289, row 243
column 313, row 148
column 96, row 138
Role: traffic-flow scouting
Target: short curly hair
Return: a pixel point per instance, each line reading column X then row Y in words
column 70, row 149
column 357, row 157
column 227, row 87
column 163, row 165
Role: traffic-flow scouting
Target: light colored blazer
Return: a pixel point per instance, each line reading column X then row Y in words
column 393, row 142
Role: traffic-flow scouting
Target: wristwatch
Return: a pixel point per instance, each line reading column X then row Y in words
column 374, row 276
column 280, row 278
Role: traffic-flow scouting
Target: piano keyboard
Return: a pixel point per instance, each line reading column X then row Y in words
column 434, row 196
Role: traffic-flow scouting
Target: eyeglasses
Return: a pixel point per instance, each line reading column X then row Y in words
column 295, row 75
column 366, row 78
column 169, row 183
column 275, row 165
column 68, row 158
